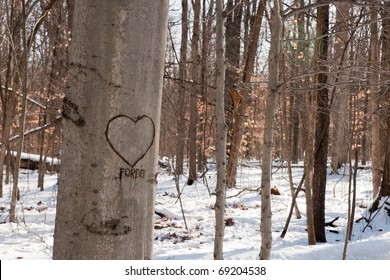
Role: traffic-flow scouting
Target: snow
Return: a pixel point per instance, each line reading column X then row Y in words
column 32, row 236
column 32, row 157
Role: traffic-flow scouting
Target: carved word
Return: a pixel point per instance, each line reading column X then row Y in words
column 131, row 173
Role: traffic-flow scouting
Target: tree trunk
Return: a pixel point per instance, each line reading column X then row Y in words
column 385, row 186
column 180, row 113
column 8, row 96
column 233, row 38
column 242, row 98
column 339, row 113
column 203, row 114
column 309, row 128
column 221, row 136
column 195, row 63
column 322, row 124
column 374, row 103
column 385, row 61
column 266, row 169
column 22, row 69
column 42, row 157
column 111, row 112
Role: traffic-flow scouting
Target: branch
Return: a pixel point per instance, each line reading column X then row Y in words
column 37, row 129
column 28, row 98
column 39, row 23
column 291, row 11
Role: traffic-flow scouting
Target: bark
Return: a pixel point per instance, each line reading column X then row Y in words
column 322, row 124
column 180, row 113
column 385, row 62
column 374, row 104
column 203, row 114
column 266, row 169
column 310, row 132
column 308, row 128
column 22, row 68
column 339, row 113
column 385, row 186
column 106, row 195
column 295, row 129
column 233, row 37
column 221, row 136
column 8, row 98
column 42, row 161
column 195, row 63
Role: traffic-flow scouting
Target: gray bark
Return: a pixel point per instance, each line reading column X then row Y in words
column 374, row 104
column 181, row 101
column 266, row 170
column 111, row 112
column 220, row 138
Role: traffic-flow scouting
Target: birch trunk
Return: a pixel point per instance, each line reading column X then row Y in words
column 111, row 112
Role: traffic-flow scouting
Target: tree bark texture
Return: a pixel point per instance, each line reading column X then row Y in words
column 220, row 137
column 385, row 185
column 322, row 124
column 374, row 104
column 181, row 101
column 111, row 115
column 339, row 113
column 195, row 63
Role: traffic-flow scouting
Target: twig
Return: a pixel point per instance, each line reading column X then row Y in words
column 179, row 198
column 244, row 190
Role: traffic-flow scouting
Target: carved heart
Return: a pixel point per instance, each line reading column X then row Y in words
column 130, row 138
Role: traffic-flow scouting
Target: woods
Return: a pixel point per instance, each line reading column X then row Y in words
column 110, row 89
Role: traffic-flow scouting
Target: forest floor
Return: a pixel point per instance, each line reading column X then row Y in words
column 32, row 236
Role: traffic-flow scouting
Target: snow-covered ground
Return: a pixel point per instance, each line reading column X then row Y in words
column 32, row 236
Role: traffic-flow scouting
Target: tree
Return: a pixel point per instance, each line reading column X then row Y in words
column 339, row 113
column 273, row 89
column 195, row 63
column 374, row 103
column 233, row 22
column 106, row 194
column 220, row 136
column 22, row 65
column 322, row 124
column 181, row 125
column 385, row 63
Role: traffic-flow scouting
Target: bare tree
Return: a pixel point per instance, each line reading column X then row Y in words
column 220, row 136
column 180, row 113
column 322, row 124
column 374, row 103
column 195, row 63
column 273, row 88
